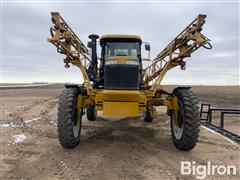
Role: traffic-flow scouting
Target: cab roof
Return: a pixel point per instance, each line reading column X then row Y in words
column 120, row 36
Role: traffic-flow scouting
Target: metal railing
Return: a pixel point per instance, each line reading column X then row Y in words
column 220, row 128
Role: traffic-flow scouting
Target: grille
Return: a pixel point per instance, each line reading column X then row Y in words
column 121, row 76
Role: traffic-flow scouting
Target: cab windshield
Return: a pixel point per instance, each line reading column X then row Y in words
column 122, row 49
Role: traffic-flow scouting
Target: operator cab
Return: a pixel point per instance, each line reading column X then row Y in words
column 121, row 45
column 121, row 61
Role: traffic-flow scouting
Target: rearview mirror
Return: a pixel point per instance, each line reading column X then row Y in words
column 147, row 47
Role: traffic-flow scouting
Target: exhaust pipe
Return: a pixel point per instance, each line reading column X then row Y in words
column 92, row 69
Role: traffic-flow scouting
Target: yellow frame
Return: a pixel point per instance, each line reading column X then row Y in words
column 188, row 41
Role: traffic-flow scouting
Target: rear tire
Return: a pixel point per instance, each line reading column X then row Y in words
column 185, row 132
column 148, row 117
column 69, row 118
column 91, row 113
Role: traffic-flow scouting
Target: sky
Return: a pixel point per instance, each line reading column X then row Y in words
column 26, row 56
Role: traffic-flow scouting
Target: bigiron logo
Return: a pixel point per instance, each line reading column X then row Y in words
column 202, row 171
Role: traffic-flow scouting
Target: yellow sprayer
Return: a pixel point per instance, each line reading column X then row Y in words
column 117, row 84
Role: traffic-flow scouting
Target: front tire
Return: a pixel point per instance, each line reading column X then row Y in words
column 186, row 129
column 69, row 118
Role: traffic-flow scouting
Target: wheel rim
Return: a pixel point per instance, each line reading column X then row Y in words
column 178, row 127
column 76, row 122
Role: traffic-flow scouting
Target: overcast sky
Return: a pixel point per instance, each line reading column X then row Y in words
column 28, row 57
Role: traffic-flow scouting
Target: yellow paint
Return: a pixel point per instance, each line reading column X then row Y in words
column 172, row 104
column 120, row 95
column 120, row 109
column 121, row 36
column 80, row 102
column 122, row 59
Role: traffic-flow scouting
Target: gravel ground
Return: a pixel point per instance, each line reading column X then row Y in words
column 111, row 148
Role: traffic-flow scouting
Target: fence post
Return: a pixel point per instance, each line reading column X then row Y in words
column 210, row 116
column 222, row 120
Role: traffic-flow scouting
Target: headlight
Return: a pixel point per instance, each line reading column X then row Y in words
column 132, row 62
column 108, row 62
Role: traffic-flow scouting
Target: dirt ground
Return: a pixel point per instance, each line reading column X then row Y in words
column 111, row 148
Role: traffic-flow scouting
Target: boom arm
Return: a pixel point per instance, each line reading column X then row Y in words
column 68, row 43
column 188, row 41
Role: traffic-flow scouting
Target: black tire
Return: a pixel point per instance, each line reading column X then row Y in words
column 69, row 118
column 148, row 117
column 185, row 132
column 91, row 113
